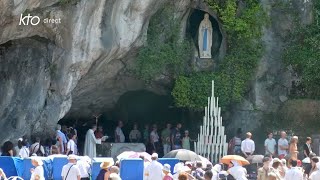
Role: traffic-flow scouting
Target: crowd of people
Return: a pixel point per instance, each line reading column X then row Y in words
column 281, row 160
column 157, row 141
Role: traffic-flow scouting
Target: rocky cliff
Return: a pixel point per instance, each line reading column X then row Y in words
column 45, row 68
column 271, row 85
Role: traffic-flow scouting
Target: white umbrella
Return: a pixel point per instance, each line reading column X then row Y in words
column 183, row 155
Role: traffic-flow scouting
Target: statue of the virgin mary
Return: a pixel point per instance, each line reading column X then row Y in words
column 205, row 37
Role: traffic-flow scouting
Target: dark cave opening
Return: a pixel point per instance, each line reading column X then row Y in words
column 141, row 107
column 195, row 18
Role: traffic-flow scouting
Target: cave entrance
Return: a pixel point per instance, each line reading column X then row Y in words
column 145, row 107
column 141, row 107
column 195, row 18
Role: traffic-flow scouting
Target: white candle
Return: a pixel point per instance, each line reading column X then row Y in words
column 212, row 89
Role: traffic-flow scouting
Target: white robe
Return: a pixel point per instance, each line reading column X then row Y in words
column 90, row 144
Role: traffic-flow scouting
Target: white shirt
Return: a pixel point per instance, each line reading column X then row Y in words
column 84, row 168
column 282, row 142
column 238, row 173
column 72, row 146
column 24, row 152
column 37, row 171
column 270, row 144
column 120, row 134
column 35, row 147
column 215, row 175
column 154, row 136
column 73, row 173
column 247, row 146
column 315, row 175
column 294, row 174
column 154, row 171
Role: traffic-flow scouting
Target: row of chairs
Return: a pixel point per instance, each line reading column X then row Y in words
column 130, row 169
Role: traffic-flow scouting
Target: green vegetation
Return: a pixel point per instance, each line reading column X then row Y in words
column 244, row 50
column 304, row 56
column 165, row 52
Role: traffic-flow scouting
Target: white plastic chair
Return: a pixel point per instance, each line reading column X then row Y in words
column 15, row 178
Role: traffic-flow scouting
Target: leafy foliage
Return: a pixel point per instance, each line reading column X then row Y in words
column 244, row 30
column 303, row 54
column 165, row 52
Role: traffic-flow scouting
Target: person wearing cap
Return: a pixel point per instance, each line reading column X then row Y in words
column 167, row 172
column 274, row 173
column 105, row 170
column 248, row 146
column 294, row 173
column 84, row 167
column 37, row 173
column 71, row 171
column 154, row 170
column 264, row 170
column 283, row 169
column 316, row 174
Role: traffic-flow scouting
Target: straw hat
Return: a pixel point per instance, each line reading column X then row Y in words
column 37, row 160
column 166, row 167
column 106, row 164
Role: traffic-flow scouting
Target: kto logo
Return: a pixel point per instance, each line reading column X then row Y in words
column 33, row 20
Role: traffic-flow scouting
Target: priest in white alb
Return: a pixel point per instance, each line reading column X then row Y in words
column 90, row 143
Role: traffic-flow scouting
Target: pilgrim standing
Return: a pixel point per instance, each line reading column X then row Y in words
column 37, row 173
column 71, row 171
column 90, row 143
column 119, row 136
column 307, row 147
column 293, row 148
column 248, row 146
column 283, row 145
column 154, row 170
column 62, row 139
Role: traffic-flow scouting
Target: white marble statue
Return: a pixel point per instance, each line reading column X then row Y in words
column 205, row 37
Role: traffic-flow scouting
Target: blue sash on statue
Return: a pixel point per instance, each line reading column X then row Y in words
column 205, row 39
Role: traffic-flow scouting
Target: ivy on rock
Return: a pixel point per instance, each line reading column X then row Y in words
column 244, row 30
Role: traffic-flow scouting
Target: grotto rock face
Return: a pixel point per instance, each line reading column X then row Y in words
column 271, row 85
column 44, row 67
